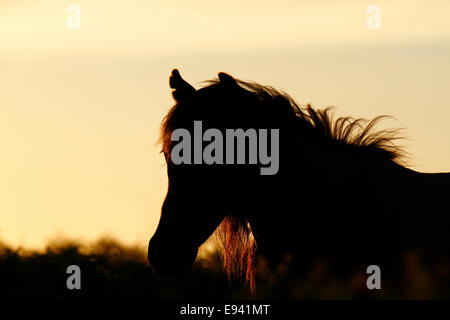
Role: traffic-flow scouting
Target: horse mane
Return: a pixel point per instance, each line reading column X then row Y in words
column 357, row 134
column 239, row 250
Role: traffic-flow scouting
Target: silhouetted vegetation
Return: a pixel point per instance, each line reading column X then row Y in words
column 110, row 269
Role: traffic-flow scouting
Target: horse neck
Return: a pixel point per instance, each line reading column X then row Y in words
column 309, row 189
column 314, row 201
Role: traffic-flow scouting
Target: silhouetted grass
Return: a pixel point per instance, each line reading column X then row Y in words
column 109, row 269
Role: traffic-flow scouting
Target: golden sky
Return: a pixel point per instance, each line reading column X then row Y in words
column 80, row 109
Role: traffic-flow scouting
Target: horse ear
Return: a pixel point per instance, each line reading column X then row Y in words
column 182, row 89
column 226, row 79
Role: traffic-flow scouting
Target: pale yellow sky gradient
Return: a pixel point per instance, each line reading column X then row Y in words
column 80, row 110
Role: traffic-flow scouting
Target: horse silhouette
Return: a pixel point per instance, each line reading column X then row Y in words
column 342, row 191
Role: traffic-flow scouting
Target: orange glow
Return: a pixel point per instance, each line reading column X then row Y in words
column 80, row 109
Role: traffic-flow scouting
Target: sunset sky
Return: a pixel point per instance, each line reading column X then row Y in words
column 80, row 109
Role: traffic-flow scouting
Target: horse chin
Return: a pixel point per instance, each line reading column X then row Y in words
column 172, row 263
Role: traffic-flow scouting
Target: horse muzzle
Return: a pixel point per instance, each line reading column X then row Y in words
column 168, row 260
